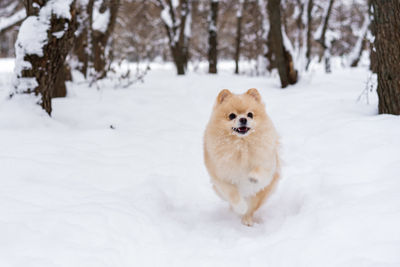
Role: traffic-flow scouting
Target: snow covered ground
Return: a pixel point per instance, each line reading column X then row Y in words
column 75, row 192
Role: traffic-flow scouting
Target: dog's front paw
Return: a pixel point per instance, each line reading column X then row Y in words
column 247, row 220
column 240, row 207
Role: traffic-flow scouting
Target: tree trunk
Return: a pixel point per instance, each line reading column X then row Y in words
column 60, row 88
column 239, row 16
column 309, row 32
column 322, row 39
column 101, row 37
column 300, row 25
column 373, row 61
column 387, row 40
column 40, row 77
column 359, row 47
column 283, row 59
column 179, row 59
column 83, row 45
column 178, row 33
column 212, row 37
column 354, row 62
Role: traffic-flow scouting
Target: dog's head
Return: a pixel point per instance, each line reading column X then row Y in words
column 239, row 115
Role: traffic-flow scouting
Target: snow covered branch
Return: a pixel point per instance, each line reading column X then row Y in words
column 13, row 20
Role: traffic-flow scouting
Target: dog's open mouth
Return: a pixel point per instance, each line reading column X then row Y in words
column 241, row 130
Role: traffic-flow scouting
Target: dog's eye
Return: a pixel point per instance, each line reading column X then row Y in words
column 232, row 116
column 250, row 115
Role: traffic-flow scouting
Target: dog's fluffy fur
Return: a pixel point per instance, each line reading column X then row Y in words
column 242, row 159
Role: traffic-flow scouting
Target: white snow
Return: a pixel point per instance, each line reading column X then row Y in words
column 166, row 17
column 188, row 24
column 74, row 192
column 100, row 20
column 32, row 36
column 239, row 10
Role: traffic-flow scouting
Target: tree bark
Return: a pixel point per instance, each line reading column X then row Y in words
column 238, row 40
column 177, row 32
column 283, row 59
column 309, row 32
column 322, row 40
column 373, row 61
column 100, row 38
column 212, row 37
column 361, row 43
column 45, row 68
column 83, row 44
column 60, row 88
column 387, row 39
column 355, row 61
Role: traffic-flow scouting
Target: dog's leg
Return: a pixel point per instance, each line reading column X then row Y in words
column 255, row 202
column 230, row 193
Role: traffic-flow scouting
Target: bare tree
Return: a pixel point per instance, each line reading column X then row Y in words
column 101, row 35
column 387, row 40
column 310, row 6
column 239, row 16
column 212, row 37
column 283, row 60
column 83, row 45
column 44, row 40
column 356, row 54
column 177, row 22
column 322, row 39
column 8, row 21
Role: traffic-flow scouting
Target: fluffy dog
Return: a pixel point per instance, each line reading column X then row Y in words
column 241, row 152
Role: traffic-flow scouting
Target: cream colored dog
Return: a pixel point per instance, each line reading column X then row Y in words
column 241, row 152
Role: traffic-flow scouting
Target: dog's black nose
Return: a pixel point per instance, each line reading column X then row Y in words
column 243, row 120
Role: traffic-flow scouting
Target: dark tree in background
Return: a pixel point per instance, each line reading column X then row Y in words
column 326, row 46
column 239, row 16
column 212, row 37
column 283, row 60
column 16, row 14
column 83, row 45
column 266, row 34
column 310, row 6
column 93, row 41
column 101, row 36
column 177, row 22
column 387, row 44
column 37, row 71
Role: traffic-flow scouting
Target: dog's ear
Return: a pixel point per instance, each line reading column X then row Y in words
column 223, row 95
column 254, row 93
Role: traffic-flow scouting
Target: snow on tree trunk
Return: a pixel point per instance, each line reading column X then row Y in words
column 83, row 44
column 212, row 37
column 309, row 33
column 283, row 60
column 104, row 19
column 44, row 40
column 239, row 16
column 263, row 61
column 326, row 44
column 356, row 54
column 178, row 29
column 387, row 39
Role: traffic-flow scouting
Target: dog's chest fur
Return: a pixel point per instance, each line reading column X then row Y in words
column 238, row 159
